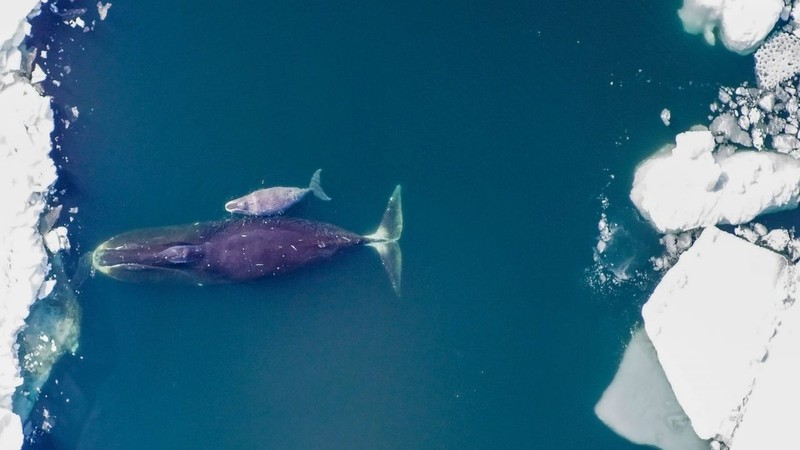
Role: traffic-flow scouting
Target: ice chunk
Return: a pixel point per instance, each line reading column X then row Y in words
column 777, row 239
column 103, row 9
column 38, row 75
column 57, row 240
column 785, row 143
column 747, row 233
column 710, row 320
column 745, row 23
column 727, row 126
column 742, row 24
column 687, row 186
column 46, row 289
column 71, row 13
column 701, row 16
column 767, row 102
column 665, row 116
column 639, row 403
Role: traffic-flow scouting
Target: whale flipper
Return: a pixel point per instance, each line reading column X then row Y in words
column 316, row 187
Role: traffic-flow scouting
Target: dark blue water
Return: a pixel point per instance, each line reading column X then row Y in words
column 503, row 122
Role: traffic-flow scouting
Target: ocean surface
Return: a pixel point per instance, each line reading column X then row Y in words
column 507, row 124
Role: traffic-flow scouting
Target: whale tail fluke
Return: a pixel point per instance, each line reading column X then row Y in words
column 385, row 238
column 316, row 186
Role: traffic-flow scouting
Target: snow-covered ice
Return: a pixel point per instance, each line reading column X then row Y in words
column 725, row 324
column 26, row 175
column 769, row 419
column 688, row 185
column 56, row 240
column 742, row 25
column 711, row 319
column 724, row 320
column 776, row 60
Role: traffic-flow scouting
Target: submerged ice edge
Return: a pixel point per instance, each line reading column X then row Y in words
column 26, row 175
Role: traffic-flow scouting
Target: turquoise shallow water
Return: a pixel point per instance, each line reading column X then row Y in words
column 502, row 122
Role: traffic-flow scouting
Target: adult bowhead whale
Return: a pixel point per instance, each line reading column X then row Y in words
column 243, row 249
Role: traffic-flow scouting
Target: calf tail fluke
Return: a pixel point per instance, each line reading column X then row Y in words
column 385, row 238
column 316, row 187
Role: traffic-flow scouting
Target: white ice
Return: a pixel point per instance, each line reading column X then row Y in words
column 26, row 174
column 666, row 115
column 742, row 25
column 724, row 320
column 770, row 416
column 711, row 320
column 102, row 10
column 688, row 185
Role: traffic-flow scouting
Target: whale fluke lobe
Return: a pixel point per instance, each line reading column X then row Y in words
column 391, row 226
column 316, row 187
column 385, row 238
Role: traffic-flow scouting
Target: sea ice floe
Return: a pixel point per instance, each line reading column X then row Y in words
column 26, row 174
column 688, row 185
column 9, row 424
column 742, row 25
column 711, row 319
column 723, row 319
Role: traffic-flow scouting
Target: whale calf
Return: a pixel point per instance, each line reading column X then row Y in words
column 275, row 200
column 243, row 249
